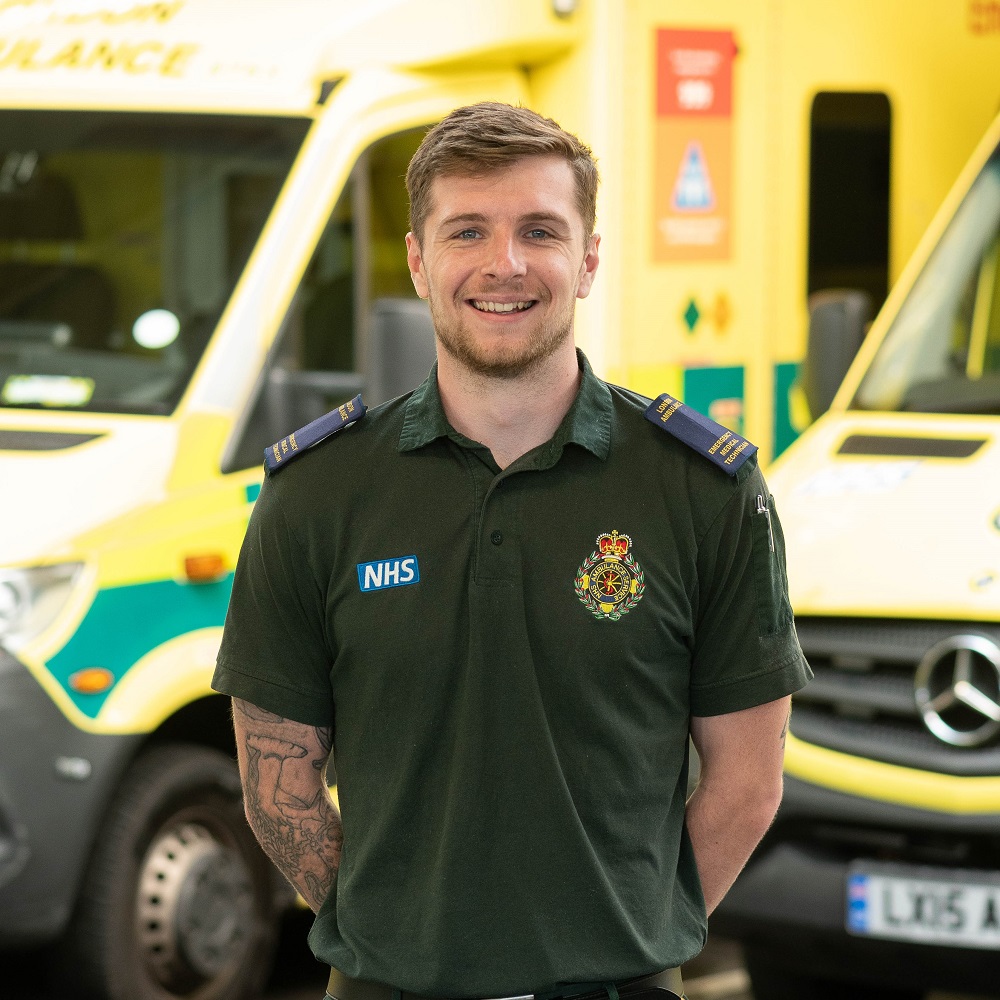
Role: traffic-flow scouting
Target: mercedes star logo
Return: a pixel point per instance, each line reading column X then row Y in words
column 958, row 690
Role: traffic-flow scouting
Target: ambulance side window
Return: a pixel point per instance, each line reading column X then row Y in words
column 355, row 323
column 849, row 172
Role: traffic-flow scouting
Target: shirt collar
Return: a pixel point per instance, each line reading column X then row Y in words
column 424, row 420
column 587, row 422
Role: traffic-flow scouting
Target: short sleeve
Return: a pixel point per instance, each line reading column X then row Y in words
column 746, row 651
column 274, row 650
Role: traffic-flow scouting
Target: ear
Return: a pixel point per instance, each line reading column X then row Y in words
column 588, row 270
column 415, row 262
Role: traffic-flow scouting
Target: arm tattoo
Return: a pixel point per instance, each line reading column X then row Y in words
column 290, row 812
column 784, row 729
column 255, row 712
column 325, row 739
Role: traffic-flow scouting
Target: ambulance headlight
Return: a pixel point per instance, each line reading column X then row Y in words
column 31, row 598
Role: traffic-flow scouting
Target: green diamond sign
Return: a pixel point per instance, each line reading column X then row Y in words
column 691, row 316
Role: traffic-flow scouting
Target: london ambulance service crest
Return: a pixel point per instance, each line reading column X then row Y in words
column 609, row 582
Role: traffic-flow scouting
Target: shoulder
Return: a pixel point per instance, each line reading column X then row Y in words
column 329, row 469
column 305, row 506
column 293, row 446
column 683, row 430
column 349, row 431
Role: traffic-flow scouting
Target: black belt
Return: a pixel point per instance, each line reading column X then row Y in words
column 342, row 988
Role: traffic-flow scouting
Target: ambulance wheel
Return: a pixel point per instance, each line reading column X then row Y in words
column 179, row 901
column 769, row 980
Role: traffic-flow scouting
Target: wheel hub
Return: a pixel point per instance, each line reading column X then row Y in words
column 194, row 905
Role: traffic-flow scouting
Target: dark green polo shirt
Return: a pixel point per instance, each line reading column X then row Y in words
column 509, row 661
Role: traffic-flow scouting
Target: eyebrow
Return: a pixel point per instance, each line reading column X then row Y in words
column 464, row 217
column 548, row 217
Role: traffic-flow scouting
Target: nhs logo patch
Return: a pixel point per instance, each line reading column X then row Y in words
column 383, row 573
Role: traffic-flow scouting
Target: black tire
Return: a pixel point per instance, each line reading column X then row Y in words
column 178, row 900
column 770, row 980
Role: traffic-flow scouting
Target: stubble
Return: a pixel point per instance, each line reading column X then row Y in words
column 505, row 361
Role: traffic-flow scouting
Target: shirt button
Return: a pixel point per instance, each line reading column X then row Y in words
column 497, row 537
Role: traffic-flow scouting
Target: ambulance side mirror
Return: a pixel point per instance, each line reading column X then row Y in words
column 838, row 322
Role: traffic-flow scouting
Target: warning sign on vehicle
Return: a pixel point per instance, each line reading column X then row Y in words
column 693, row 145
column 693, row 190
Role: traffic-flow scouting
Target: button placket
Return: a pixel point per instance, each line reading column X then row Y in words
column 495, row 550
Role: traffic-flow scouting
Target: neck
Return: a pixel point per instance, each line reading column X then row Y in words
column 509, row 416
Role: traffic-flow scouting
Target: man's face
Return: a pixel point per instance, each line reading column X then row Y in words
column 502, row 261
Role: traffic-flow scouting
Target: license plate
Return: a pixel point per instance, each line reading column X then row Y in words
column 928, row 905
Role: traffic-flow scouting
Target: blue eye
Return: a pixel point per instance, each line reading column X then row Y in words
column 468, row 234
column 537, row 234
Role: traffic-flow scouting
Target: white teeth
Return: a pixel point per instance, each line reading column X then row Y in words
column 500, row 307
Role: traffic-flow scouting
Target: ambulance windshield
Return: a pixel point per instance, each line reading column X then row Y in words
column 942, row 353
column 122, row 237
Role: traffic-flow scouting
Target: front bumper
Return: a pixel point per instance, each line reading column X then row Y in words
column 790, row 901
column 55, row 782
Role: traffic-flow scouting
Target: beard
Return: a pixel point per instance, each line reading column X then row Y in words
column 507, row 360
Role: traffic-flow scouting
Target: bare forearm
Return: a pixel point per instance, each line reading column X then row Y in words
column 738, row 792
column 724, row 833
column 286, row 801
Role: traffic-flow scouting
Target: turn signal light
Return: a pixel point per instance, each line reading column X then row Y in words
column 91, row 680
column 204, row 568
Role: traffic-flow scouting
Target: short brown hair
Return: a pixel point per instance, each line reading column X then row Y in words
column 482, row 138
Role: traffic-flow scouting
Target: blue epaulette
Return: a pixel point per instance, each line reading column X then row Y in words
column 282, row 452
column 723, row 447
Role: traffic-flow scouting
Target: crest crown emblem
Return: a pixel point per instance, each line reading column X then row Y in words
column 613, row 544
column 609, row 582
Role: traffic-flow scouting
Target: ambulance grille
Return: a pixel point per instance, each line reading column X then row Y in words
column 862, row 702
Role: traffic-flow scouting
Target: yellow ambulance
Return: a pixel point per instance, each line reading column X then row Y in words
column 881, row 876
column 201, row 248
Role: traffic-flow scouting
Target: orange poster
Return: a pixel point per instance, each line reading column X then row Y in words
column 693, row 145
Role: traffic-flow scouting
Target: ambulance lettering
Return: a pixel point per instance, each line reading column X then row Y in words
column 136, row 59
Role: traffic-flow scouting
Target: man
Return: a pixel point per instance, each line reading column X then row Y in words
column 505, row 601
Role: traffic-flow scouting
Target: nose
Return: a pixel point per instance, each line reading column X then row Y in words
column 504, row 260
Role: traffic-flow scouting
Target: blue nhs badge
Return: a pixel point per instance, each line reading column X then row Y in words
column 383, row 573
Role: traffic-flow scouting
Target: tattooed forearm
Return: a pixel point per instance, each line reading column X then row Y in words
column 287, row 805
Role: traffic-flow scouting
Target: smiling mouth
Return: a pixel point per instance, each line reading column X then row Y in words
column 487, row 305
